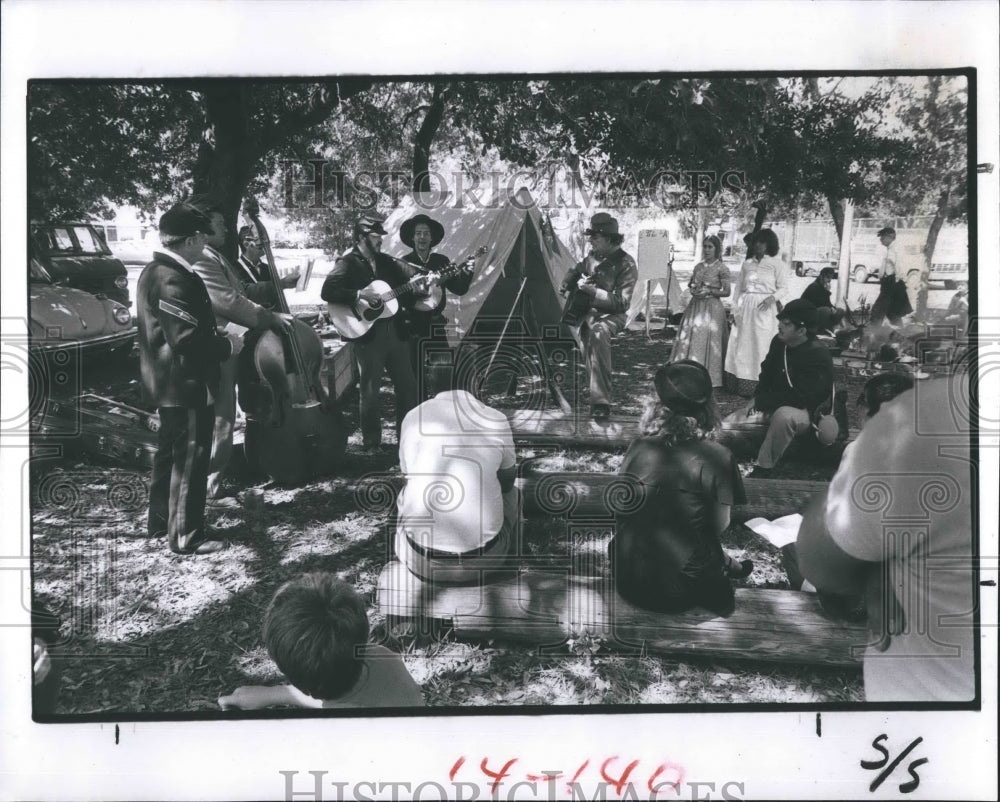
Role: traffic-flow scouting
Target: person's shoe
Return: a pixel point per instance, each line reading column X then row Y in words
column 222, row 503
column 600, row 412
column 209, row 547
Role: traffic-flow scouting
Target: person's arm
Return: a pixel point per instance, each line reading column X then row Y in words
column 617, row 301
column 821, row 560
column 771, row 384
column 228, row 302
column 261, row 292
column 255, row 697
column 506, row 476
column 725, row 286
column 341, row 285
column 180, row 326
column 459, row 284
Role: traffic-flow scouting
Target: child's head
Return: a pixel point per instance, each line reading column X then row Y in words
column 312, row 628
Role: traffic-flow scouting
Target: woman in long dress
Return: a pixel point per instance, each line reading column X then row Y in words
column 761, row 290
column 703, row 332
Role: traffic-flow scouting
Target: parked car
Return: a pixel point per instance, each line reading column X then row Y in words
column 65, row 319
column 950, row 264
column 76, row 255
column 804, row 268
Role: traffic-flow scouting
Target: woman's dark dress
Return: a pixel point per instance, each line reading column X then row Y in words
column 666, row 555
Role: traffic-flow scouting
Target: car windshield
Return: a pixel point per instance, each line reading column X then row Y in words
column 89, row 243
column 68, row 239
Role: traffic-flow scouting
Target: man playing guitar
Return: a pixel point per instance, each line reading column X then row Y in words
column 606, row 277
column 380, row 347
column 421, row 316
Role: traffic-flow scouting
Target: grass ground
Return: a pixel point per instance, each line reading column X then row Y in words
column 146, row 631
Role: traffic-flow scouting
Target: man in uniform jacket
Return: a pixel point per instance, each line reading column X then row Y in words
column 796, row 377
column 180, row 353
column 608, row 275
column 381, row 347
column 235, row 313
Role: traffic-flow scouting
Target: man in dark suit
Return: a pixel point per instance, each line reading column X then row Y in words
column 381, row 347
column 180, row 352
column 254, row 274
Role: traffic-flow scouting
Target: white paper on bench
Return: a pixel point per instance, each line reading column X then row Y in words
column 779, row 532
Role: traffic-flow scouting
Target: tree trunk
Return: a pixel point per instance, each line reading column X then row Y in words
column 699, row 234
column 940, row 213
column 844, row 265
column 837, row 212
column 223, row 168
column 424, row 140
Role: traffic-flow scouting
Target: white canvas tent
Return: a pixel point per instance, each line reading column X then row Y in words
column 656, row 275
column 520, row 246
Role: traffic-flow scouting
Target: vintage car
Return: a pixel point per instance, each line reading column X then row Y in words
column 76, row 255
column 65, row 319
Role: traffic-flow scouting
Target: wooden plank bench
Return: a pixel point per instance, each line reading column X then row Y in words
column 553, row 427
column 546, row 608
column 598, row 496
column 601, row 495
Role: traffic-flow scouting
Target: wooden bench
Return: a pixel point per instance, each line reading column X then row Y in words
column 598, row 496
column 547, row 608
column 553, row 427
column 601, row 495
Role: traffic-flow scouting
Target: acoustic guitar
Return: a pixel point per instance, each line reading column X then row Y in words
column 353, row 321
column 577, row 303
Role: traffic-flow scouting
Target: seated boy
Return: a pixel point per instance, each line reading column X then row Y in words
column 316, row 631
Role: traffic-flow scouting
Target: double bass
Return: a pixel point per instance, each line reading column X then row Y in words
column 294, row 432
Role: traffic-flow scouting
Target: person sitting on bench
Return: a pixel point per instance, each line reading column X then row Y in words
column 818, row 294
column 666, row 554
column 796, row 378
column 458, row 512
column 918, row 579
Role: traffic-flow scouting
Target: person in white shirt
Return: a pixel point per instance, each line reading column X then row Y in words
column 896, row 525
column 458, row 513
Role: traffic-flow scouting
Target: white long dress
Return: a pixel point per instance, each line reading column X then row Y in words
column 753, row 328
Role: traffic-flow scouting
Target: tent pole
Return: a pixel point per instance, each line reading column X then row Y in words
column 506, row 323
column 649, row 294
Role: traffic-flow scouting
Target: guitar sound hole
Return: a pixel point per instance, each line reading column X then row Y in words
column 373, row 313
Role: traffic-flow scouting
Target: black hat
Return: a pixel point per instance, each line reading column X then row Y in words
column 183, row 220
column 799, row 312
column 886, row 230
column 684, row 386
column 602, row 223
column 371, row 223
column 406, row 230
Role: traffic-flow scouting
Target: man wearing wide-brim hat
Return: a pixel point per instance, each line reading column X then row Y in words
column 381, row 348
column 608, row 276
column 796, row 379
column 421, row 317
column 180, row 354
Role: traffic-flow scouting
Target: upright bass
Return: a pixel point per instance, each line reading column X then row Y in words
column 294, row 432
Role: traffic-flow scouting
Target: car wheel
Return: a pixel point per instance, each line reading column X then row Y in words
column 800, row 269
column 860, row 274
